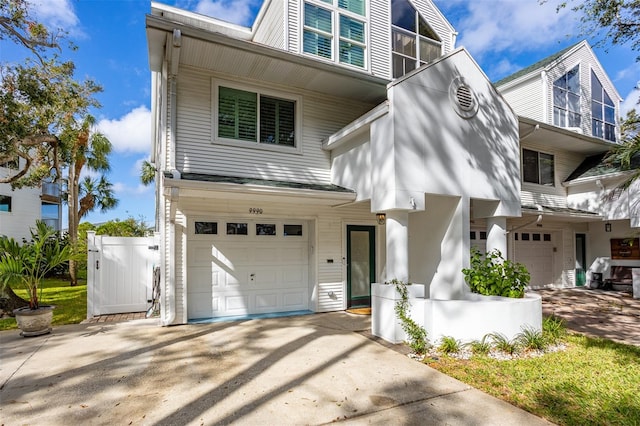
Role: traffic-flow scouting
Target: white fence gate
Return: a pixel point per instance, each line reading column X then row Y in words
column 119, row 273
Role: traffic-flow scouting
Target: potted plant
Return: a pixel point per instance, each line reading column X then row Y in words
column 27, row 265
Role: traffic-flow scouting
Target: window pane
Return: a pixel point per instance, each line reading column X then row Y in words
column 237, row 229
column 206, row 228
column 429, row 50
column 351, row 54
column 573, row 102
column 547, row 237
column 237, row 114
column 610, row 132
column 355, row 6
column 574, row 119
column 5, row 203
column 596, row 110
column 404, row 43
column 425, row 30
column 607, row 99
column 529, row 166
column 558, row 117
column 525, row 236
column 403, row 15
column 596, row 128
column 292, row 230
column 317, row 17
column 398, row 65
column 546, row 169
column 483, row 235
column 561, row 82
column 277, row 121
column 265, row 229
column 573, row 81
column 536, row 237
column 609, row 114
column 559, row 97
column 351, row 29
column 317, row 44
column 472, row 235
column 596, row 88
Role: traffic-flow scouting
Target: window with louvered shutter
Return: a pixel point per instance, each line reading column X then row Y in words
column 277, row 118
column 237, row 114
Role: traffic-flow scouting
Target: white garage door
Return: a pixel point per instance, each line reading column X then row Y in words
column 240, row 267
column 535, row 251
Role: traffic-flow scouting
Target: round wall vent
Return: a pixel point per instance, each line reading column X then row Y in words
column 463, row 98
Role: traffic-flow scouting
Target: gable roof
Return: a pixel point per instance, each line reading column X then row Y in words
column 597, row 166
column 541, row 64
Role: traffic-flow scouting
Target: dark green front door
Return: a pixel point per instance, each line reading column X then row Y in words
column 361, row 264
column 581, row 259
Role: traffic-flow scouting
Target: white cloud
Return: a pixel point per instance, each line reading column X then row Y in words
column 120, row 189
column 56, row 14
column 631, row 101
column 513, row 26
column 235, row 11
column 632, row 71
column 130, row 133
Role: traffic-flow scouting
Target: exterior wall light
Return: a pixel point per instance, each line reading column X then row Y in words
column 607, row 227
column 382, row 218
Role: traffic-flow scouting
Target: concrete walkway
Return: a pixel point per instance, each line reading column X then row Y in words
column 613, row 315
column 312, row 369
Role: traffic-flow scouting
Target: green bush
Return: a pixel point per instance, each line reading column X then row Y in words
column 553, row 329
column 449, row 345
column 480, row 347
column 492, row 275
column 417, row 335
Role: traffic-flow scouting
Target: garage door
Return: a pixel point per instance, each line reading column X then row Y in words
column 240, row 267
column 535, row 251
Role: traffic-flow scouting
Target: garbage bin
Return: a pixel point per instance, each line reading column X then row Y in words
column 596, row 280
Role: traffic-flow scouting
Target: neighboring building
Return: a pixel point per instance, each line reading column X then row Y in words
column 569, row 112
column 21, row 208
column 339, row 143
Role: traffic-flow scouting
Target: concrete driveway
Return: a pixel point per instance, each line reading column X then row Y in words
column 311, row 369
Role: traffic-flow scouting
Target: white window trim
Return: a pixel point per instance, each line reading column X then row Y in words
column 616, row 107
column 335, row 37
column 297, row 149
column 524, row 182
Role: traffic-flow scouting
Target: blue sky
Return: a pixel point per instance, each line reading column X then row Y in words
column 502, row 35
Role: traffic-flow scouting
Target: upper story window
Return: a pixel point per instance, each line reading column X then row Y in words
column 566, row 99
column 255, row 117
column 603, row 112
column 335, row 30
column 5, row 203
column 413, row 41
column 537, row 167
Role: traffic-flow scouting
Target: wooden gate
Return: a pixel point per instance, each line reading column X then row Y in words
column 119, row 273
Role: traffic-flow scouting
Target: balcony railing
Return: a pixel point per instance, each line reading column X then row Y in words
column 51, row 189
column 54, row 223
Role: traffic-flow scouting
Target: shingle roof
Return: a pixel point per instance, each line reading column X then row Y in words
column 263, row 182
column 538, row 65
column 596, row 165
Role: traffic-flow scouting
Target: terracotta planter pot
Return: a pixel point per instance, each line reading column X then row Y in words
column 34, row 322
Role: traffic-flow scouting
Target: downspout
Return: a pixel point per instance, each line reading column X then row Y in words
column 536, row 220
column 176, row 42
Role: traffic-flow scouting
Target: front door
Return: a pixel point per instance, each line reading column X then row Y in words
column 581, row 259
column 361, row 264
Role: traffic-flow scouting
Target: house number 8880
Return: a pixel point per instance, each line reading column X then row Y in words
column 254, row 210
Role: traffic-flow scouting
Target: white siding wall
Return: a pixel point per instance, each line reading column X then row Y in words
column 294, row 25
column 554, row 196
column 196, row 153
column 271, row 30
column 25, row 210
column 527, row 98
column 380, row 37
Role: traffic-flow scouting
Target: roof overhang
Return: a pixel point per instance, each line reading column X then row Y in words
column 177, row 188
column 218, row 52
column 566, row 214
column 552, row 136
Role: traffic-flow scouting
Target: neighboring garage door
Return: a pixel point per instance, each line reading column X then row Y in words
column 535, row 251
column 239, row 267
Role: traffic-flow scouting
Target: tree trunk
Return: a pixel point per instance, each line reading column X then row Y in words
column 10, row 301
column 72, row 203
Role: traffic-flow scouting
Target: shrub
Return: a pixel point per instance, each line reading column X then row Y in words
column 492, row 275
column 480, row 347
column 531, row 339
column 503, row 344
column 449, row 345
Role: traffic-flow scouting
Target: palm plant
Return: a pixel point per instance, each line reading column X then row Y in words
column 28, row 264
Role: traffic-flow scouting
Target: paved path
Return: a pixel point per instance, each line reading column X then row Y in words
column 312, row 369
column 612, row 315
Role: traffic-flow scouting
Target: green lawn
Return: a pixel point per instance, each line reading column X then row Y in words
column 70, row 302
column 594, row 381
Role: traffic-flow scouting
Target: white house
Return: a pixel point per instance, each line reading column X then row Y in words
column 332, row 145
column 21, row 208
column 569, row 111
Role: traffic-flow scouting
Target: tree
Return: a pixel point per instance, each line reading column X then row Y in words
column 615, row 21
column 85, row 149
column 38, row 99
column 627, row 154
column 147, row 173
